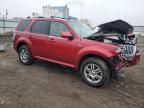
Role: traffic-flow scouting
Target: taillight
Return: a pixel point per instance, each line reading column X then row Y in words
column 14, row 35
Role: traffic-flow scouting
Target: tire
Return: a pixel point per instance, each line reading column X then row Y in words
column 95, row 72
column 25, row 55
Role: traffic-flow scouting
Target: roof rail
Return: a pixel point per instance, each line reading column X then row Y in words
column 40, row 17
column 57, row 17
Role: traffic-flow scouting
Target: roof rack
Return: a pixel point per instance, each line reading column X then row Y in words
column 47, row 17
column 36, row 17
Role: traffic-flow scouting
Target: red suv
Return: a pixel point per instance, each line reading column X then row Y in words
column 97, row 55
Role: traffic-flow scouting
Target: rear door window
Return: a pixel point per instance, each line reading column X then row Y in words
column 23, row 25
column 40, row 27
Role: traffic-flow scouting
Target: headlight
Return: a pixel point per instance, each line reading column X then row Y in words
column 118, row 50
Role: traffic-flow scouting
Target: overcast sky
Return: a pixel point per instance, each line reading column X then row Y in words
column 99, row 11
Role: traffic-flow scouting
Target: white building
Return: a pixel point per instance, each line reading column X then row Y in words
column 58, row 11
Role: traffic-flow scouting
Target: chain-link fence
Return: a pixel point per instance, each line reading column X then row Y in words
column 6, row 29
column 8, row 26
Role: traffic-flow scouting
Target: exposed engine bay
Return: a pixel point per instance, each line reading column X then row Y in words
column 115, row 38
column 119, row 33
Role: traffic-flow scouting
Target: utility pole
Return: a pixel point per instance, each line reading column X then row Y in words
column 2, row 47
column 3, row 23
column 6, row 13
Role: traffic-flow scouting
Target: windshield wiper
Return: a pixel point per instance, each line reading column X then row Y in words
column 89, row 36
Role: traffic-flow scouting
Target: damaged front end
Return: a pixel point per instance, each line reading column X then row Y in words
column 119, row 33
column 129, row 55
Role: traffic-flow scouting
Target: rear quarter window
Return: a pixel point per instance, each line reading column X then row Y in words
column 23, row 25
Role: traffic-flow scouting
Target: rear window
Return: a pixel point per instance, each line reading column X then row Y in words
column 23, row 25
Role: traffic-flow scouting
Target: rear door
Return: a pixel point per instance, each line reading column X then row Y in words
column 38, row 34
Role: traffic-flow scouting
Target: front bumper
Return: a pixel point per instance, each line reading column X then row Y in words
column 136, row 59
column 119, row 62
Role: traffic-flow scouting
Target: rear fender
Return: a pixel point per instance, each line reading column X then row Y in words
column 24, row 41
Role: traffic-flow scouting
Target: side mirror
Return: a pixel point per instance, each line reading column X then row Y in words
column 67, row 35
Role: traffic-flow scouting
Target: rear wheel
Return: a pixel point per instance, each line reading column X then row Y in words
column 95, row 72
column 25, row 55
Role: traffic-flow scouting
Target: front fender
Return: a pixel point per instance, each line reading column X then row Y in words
column 93, row 50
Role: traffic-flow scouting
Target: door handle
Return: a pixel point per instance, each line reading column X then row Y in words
column 30, row 36
column 52, row 40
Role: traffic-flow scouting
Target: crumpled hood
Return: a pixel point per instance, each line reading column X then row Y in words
column 118, row 26
column 97, row 45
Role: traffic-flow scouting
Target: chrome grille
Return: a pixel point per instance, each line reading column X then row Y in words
column 128, row 51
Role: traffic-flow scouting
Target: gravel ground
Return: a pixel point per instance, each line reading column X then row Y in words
column 47, row 85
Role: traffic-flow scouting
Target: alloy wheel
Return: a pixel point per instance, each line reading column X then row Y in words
column 93, row 73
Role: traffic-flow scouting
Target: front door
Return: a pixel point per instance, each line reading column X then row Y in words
column 63, row 50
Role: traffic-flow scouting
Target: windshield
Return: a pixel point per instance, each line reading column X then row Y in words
column 82, row 29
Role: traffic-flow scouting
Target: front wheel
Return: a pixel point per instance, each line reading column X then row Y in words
column 95, row 72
